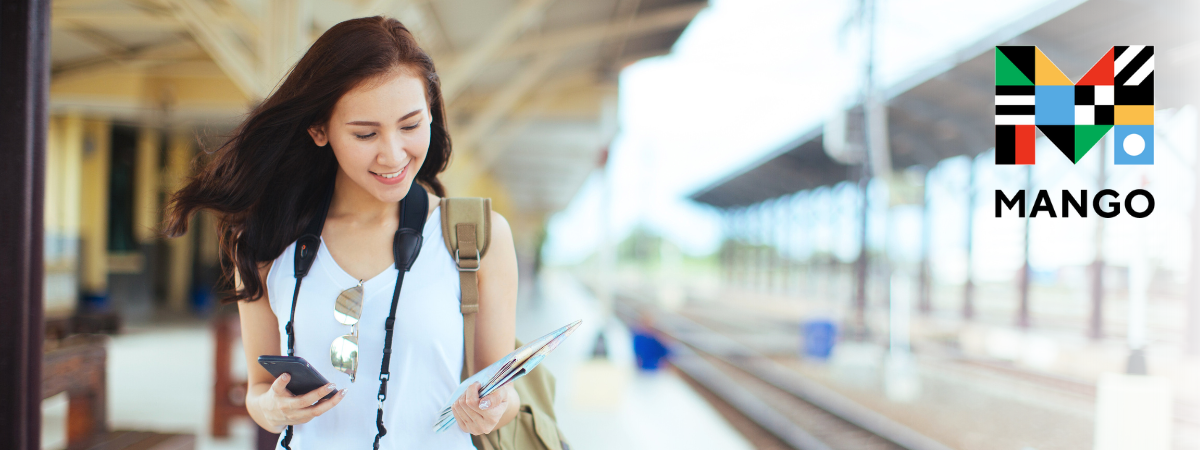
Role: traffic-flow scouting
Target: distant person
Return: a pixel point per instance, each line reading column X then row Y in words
column 362, row 112
column 647, row 347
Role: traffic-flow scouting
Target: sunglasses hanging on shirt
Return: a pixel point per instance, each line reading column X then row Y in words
column 343, row 353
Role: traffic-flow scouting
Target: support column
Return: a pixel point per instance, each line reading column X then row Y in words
column 1191, row 328
column 859, row 324
column 723, row 254
column 762, row 279
column 743, row 250
column 179, row 262
column 72, row 182
column 146, row 216
column 51, row 208
column 832, row 270
column 765, row 246
column 93, row 224
column 924, row 279
column 25, row 44
column 1023, row 277
column 968, row 308
column 793, row 228
column 1096, row 318
column 778, row 246
column 735, row 247
column 61, row 208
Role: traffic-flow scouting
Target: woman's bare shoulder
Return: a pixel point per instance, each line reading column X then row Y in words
column 502, row 238
column 434, row 201
column 264, row 268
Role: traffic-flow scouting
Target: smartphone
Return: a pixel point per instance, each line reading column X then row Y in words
column 304, row 377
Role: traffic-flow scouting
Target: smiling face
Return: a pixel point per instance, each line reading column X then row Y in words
column 379, row 132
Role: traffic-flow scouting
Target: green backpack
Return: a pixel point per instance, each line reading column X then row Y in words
column 467, row 228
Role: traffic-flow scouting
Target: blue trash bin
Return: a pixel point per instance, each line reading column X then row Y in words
column 819, row 337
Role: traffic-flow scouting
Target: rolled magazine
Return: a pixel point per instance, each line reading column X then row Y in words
column 515, row 365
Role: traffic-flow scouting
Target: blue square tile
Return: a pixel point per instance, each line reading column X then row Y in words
column 1134, row 145
column 1054, row 105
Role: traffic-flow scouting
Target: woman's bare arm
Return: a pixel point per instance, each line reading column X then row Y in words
column 267, row 400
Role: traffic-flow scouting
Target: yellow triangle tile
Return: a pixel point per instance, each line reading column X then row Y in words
column 1046, row 73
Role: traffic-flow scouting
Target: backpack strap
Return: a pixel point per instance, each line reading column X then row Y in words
column 467, row 229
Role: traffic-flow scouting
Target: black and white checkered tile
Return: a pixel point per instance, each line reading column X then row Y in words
column 1094, row 105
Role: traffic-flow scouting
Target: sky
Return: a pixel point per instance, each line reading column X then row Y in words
column 745, row 78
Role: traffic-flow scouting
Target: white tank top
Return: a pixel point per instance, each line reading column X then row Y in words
column 427, row 347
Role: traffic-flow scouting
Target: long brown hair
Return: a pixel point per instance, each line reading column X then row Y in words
column 266, row 181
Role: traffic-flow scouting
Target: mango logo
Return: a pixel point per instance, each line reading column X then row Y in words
column 1118, row 92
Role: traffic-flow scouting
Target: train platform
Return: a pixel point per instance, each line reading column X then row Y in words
column 608, row 403
column 945, row 394
column 601, row 403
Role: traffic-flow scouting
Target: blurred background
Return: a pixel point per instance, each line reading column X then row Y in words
column 776, row 219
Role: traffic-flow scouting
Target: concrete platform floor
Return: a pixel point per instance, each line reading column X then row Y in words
column 160, row 379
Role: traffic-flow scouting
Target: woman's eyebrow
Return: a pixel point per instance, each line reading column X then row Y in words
column 375, row 124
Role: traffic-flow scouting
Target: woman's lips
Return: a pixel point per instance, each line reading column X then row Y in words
column 394, row 180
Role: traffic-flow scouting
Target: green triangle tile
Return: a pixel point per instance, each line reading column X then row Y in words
column 1007, row 73
column 1086, row 137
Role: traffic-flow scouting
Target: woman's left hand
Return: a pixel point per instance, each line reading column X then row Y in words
column 480, row 416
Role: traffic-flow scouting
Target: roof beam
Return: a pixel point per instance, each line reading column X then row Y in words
column 235, row 15
column 626, row 12
column 230, row 55
column 490, row 152
column 458, row 76
column 284, row 39
column 182, row 49
column 68, row 19
column 504, row 100
column 107, row 45
column 645, row 23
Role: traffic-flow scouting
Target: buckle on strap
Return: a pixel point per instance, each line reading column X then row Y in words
column 458, row 262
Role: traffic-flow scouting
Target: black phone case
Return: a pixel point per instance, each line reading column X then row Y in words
column 304, row 377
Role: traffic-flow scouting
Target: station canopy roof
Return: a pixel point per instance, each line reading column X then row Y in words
column 946, row 110
column 531, row 84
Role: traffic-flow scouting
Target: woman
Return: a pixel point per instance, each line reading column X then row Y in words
column 362, row 110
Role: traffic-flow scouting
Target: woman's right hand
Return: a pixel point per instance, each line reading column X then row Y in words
column 281, row 408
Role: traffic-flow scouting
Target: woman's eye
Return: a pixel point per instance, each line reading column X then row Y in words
column 364, row 136
column 411, row 127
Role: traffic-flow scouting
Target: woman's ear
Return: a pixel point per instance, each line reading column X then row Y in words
column 318, row 135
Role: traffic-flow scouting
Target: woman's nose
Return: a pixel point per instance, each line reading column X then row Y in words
column 392, row 152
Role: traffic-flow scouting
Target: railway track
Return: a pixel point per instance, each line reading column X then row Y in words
column 799, row 413
column 759, row 331
column 740, row 362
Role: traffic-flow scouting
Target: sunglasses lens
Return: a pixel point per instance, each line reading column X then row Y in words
column 343, row 353
column 348, row 308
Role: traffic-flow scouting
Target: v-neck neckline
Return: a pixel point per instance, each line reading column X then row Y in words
column 340, row 275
